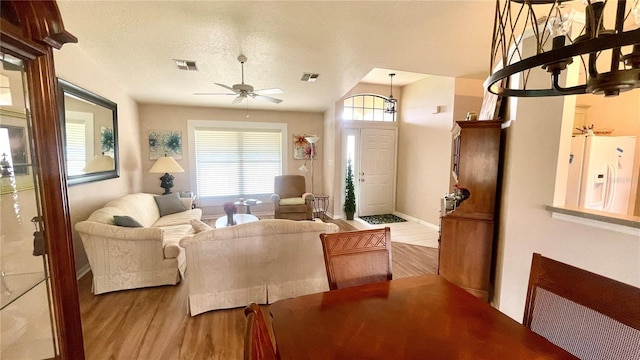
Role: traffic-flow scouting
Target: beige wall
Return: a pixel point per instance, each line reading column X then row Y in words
column 169, row 117
column 74, row 66
column 468, row 97
column 331, row 157
column 424, row 147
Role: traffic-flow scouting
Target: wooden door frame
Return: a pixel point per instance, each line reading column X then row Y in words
column 30, row 30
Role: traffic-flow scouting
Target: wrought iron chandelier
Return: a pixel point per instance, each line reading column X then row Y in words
column 607, row 51
column 390, row 103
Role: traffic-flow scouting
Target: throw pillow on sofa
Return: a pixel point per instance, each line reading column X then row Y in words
column 126, row 221
column 169, row 204
column 199, row 226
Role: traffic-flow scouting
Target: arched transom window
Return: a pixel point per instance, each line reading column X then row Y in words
column 366, row 107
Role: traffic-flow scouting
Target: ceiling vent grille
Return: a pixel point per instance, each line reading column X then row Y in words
column 309, row 77
column 186, row 65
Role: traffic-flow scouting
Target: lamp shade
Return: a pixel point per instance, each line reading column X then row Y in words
column 166, row 164
column 312, row 139
column 99, row 163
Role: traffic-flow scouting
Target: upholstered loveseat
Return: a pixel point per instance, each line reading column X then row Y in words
column 261, row 261
column 124, row 257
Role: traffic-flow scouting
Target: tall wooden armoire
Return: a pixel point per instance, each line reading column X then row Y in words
column 467, row 233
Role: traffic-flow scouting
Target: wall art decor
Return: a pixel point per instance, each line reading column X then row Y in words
column 165, row 142
column 302, row 148
column 107, row 141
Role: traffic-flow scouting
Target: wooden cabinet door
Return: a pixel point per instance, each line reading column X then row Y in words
column 465, row 253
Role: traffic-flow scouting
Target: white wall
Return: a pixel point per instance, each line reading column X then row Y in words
column 76, row 67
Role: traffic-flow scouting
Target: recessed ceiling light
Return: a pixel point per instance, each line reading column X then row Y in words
column 309, row 77
column 186, row 64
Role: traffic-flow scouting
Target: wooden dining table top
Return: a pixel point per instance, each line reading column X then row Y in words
column 423, row 317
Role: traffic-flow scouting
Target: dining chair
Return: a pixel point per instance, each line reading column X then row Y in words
column 589, row 315
column 357, row 257
column 257, row 343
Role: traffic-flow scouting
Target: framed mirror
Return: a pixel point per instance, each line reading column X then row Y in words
column 90, row 134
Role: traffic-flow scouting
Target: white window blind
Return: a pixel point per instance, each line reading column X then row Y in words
column 233, row 162
column 76, row 148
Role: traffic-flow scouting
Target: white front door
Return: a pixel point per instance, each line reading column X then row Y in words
column 376, row 173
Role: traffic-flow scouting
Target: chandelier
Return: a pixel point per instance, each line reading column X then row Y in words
column 390, row 103
column 602, row 37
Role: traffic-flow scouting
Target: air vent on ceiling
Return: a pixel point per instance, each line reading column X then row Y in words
column 186, row 64
column 310, row 77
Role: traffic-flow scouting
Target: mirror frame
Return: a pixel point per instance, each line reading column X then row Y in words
column 65, row 87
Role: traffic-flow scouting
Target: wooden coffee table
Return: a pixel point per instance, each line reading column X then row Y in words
column 238, row 218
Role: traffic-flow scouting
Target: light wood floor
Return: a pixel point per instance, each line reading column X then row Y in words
column 154, row 323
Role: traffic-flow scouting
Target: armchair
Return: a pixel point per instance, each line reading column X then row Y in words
column 290, row 201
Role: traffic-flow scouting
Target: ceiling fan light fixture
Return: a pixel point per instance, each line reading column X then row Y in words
column 244, row 91
column 189, row 65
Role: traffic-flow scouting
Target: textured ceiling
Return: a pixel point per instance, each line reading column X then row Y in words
column 136, row 42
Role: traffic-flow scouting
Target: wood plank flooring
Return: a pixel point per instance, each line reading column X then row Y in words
column 154, row 323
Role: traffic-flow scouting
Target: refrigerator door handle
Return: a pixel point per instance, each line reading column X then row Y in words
column 612, row 179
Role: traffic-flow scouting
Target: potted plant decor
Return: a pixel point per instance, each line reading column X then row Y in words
column 350, row 198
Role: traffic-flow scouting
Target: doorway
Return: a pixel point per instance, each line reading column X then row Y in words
column 372, row 152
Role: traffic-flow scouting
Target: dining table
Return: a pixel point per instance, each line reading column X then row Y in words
column 422, row 317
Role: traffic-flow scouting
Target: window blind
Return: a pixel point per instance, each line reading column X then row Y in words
column 76, row 146
column 237, row 162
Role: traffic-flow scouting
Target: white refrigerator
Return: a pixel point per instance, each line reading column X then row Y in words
column 600, row 172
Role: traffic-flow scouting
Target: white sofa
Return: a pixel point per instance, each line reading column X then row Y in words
column 260, row 262
column 133, row 257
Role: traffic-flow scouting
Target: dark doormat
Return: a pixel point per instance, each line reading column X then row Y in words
column 382, row 219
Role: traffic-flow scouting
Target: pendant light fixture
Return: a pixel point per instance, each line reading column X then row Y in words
column 390, row 103
column 608, row 50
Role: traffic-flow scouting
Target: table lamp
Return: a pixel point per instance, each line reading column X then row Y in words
column 99, row 163
column 166, row 165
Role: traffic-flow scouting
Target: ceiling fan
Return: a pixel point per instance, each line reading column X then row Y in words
column 243, row 90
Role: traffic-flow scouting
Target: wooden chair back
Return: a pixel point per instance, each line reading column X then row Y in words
column 589, row 315
column 257, row 343
column 357, row 257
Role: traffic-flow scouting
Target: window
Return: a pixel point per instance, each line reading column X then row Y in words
column 367, row 107
column 236, row 160
column 76, row 150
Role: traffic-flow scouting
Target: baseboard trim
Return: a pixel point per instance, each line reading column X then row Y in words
column 408, row 217
column 83, row 271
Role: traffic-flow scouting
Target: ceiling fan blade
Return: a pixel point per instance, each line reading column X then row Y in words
column 227, row 87
column 238, row 100
column 267, row 98
column 214, row 94
column 272, row 91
